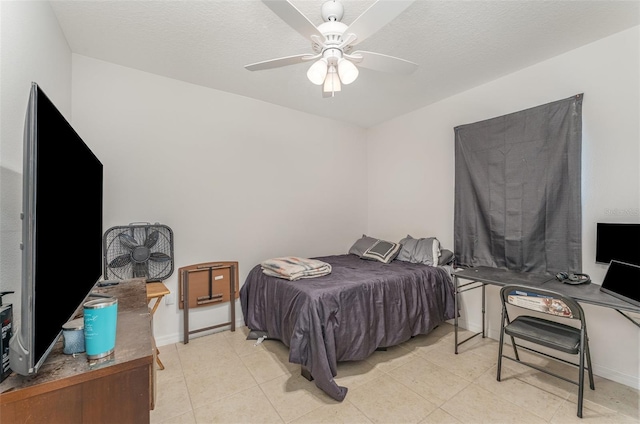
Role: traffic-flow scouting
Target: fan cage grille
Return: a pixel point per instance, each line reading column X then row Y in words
column 123, row 260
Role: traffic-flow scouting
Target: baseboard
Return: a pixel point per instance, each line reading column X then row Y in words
column 618, row 377
column 168, row 339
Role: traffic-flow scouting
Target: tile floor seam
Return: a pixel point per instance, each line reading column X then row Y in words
column 626, row 416
column 271, row 403
column 515, row 406
column 561, row 398
column 573, row 406
column 451, row 372
column 566, row 395
column 299, row 416
column 557, row 411
column 274, row 378
column 192, row 409
column 226, row 395
column 359, row 410
column 438, row 405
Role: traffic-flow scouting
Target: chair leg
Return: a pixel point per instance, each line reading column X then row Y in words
column 500, row 348
column 581, row 375
column 515, row 349
column 499, row 357
column 588, row 353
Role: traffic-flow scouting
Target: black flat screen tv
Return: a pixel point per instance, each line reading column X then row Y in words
column 617, row 241
column 61, row 231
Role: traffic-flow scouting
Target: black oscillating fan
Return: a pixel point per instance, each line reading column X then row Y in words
column 138, row 251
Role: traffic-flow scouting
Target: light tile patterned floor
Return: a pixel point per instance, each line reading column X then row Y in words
column 224, row 378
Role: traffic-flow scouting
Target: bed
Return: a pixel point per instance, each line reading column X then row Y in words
column 359, row 307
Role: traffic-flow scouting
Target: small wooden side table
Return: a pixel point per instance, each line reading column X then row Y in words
column 156, row 290
column 208, row 284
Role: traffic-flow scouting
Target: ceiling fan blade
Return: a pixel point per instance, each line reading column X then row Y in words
column 375, row 17
column 276, row 63
column 384, row 63
column 293, row 17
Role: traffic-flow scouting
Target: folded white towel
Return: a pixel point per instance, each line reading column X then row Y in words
column 294, row 268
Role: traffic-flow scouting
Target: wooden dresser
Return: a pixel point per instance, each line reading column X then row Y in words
column 68, row 389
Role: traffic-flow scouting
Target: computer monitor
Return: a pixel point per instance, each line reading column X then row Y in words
column 622, row 280
column 617, row 241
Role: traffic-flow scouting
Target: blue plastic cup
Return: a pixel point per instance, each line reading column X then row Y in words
column 100, row 322
column 73, row 332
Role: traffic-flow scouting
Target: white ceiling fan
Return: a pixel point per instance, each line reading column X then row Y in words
column 332, row 43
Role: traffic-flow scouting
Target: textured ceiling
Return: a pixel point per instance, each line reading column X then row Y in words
column 457, row 44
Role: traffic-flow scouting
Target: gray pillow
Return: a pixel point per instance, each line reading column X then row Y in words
column 419, row 251
column 446, row 257
column 362, row 244
column 382, row 251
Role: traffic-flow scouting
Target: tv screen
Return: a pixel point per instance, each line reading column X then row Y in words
column 617, row 241
column 61, row 230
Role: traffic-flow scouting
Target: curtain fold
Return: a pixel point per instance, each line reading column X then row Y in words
column 518, row 190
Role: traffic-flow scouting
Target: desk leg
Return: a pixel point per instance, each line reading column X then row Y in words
column 456, row 313
column 483, row 307
column 456, row 301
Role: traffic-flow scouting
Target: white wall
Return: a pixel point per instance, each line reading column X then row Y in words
column 415, row 193
column 236, row 179
column 32, row 49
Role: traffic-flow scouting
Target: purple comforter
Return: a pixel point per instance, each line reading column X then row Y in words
column 346, row 315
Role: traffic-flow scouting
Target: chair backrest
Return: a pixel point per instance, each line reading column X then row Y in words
column 540, row 300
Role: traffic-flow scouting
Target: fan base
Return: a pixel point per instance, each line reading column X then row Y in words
column 332, row 10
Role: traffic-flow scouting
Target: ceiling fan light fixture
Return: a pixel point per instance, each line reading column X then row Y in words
column 332, row 82
column 347, row 71
column 317, row 72
column 332, row 42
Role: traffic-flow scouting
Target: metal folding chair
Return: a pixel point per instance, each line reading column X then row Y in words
column 571, row 339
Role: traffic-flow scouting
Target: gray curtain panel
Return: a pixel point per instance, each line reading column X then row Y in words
column 517, row 190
